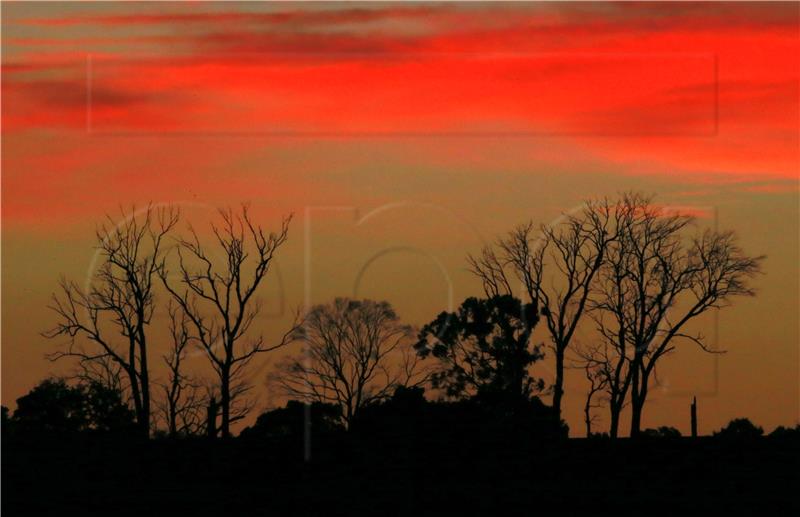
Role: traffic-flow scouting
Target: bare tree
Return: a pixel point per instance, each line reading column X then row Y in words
column 218, row 298
column 597, row 373
column 655, row 281
column 105, row 372
column 555, row 268
column 106, row 323
column 355, row 352
column 610, row 360
column 183, row 405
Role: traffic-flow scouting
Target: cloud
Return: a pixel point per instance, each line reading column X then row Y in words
column 703, row 95
column 623, row 15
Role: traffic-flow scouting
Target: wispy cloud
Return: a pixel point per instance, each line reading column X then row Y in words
column 684, row 90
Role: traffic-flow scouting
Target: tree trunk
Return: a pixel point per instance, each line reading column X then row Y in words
column 636, row 420
column 558, row 387
column 145, row 387
column 173, row 426
column 613, row 430
column 587, row 412
column 636, row 389
column 225, row 401
column 638, row 398
column 638, row 395
column 211, row 419
column 142, row 424
column 588, row 420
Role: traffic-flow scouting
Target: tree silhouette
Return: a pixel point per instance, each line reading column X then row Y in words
column 555, row 268
column 782, row 432
column 54, row 406
column 184, row 403
column 654, row 280
column 607, row 369
column 218, row 298
column 290, row 421
column 484, row 350
column 662, row 432
column 598, row 379
column 107, row 322
column 740, row 428
column 355, row 352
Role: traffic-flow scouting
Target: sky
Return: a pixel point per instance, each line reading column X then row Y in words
column 404, row 136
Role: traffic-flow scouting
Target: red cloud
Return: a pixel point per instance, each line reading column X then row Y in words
column 641, row 88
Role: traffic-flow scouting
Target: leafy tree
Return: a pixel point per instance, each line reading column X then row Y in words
column 483, row 349
column 555, row 266
column 409, row 417
column 55, row 406
column 290, row 421
column 662, row 432
column 406, row 413
column 786, row 432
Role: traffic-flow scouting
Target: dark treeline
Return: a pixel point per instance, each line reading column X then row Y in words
column 404, row 455
column 627, row 276
column 375, row 402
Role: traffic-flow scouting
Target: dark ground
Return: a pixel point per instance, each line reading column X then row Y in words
column 96, row 475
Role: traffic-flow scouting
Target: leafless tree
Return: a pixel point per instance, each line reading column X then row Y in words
column 218, row 299
column 555, row 267
column 184, row 404
column 654, row 281
column 106, row 372
column 610, row 359
column 355, row 352
column 106, row 323
column 598, row 375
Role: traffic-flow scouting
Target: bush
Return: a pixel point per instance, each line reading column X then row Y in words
column 662, row 432
column 786, row 432
column 740, row 428
column 289, row 422
column 54, row 406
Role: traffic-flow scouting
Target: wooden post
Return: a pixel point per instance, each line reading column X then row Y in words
column 211, row 419
column 694, row 417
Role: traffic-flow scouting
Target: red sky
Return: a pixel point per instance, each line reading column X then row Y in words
column 497, row 112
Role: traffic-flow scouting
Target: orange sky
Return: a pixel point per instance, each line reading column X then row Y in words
column 403, row 136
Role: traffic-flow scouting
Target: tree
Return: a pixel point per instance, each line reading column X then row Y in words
column 107, row 322
column 355, row 353
column 782, row 432
column 654, row 281
column 556, row 270
column 740, row 428
column 218, row 299
column 606, row 369
column 598, row 383
column 484, row 350
column 184, row 404
column 52, row 406
column 290, row 421
column 662, row 432
column 55, row 406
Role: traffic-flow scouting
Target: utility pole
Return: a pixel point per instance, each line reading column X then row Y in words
column 694, row 417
